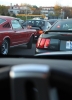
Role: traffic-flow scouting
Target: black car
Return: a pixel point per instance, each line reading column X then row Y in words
column 58, row 38
column 40, row 25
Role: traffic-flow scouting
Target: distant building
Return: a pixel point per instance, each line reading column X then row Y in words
column 16, row 9
column 47, row 10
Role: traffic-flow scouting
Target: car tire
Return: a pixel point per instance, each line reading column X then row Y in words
column 29, row 45
column 4, row 48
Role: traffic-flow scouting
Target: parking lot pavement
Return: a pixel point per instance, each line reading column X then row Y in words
column 22, row 50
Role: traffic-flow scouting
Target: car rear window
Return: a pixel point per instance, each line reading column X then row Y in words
column 2, row 21
column 35, row 23
column 52, row 22
column 62, row 25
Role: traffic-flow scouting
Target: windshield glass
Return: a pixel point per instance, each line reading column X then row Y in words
column 62, row 25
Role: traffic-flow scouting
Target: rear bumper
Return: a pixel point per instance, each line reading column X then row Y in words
column 37, row 51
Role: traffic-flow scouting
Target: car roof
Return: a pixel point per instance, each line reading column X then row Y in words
column 7, row 17
column 34, row 19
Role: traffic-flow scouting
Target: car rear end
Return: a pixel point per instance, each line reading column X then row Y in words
column 59, row 40
column 54, row 42
column 39, row 31
column 37, row 25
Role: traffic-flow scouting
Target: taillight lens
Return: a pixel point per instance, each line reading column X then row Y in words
column 29, row 27
column 40, row 32
column 43, row 43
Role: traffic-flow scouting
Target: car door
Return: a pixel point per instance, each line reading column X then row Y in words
column 18, row 32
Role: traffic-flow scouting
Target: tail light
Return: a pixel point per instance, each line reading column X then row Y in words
column 40, row 32
column 43, row 43
column 29, row 27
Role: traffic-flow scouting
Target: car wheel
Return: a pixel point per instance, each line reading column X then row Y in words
column 4, row 48
column 29, row 45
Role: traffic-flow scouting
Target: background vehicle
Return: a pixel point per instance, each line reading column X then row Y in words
column 59, row 38
column 13, row 34
column 40, row 25
column 36, row 18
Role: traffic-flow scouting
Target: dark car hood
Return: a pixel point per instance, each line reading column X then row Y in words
column 55, row 53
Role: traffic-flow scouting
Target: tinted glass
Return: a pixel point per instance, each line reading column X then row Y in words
column 62, row 25
column 35, row 23
column 52, row 22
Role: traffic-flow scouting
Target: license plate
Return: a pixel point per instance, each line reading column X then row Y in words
column 68, row 44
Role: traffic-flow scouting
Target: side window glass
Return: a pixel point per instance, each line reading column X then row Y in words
column 16, row 24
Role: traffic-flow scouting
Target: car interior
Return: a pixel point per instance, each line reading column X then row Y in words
column 36, row 78
column 40, row 33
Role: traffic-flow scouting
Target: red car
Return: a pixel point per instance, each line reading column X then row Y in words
column 13, row 34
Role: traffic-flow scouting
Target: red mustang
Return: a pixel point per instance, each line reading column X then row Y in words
column 13, row 34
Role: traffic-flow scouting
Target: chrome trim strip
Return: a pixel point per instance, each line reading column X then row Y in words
column 18, row 45
column 29, row 70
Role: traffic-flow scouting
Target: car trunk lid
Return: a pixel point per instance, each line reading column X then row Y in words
column 59, row 41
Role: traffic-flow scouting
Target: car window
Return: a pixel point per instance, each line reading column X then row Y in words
column 62, row 25
column 2, row 21
column 35, row 23
column 16, row 24
column 52, row 21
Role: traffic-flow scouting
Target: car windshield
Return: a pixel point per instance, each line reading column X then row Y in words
column 62, row 25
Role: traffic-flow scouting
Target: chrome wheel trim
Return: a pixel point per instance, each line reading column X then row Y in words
column 4, row 48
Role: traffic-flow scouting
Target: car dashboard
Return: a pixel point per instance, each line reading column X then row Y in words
column 35, row 79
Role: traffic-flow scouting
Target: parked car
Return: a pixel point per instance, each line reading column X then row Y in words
column 36, row 18
column 13, row 34
column 40, row 25
column 58, row 38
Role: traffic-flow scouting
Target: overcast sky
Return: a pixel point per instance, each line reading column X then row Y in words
column 38, row 2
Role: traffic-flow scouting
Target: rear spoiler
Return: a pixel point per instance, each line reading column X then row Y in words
column 67, row 31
